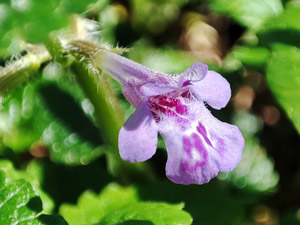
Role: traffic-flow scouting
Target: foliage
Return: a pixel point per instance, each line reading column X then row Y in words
column 116, row 205
column 285, row 88
column 32, row 114
column 60, row 116
column 251, row 14
column 20, row 202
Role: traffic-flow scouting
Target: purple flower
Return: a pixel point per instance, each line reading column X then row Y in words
column 198, row 144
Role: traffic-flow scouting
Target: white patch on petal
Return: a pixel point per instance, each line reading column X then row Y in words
column 196, row 156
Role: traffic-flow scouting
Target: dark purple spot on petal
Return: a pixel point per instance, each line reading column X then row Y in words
column 198, row 164
column 184, row 166
column 186, row 83
column 187, row 146
column 201, row 130
column 186, row 94
column 220, row 144
column 181, row 109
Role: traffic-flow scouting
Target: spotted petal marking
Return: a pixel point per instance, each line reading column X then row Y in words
column 196, row 154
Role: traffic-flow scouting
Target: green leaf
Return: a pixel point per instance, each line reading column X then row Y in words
column 251, row 14
column 33, row 20
column 14, row 175
column 283, row 76
column 250, row 56
column 19, row 111
column 284, row 28
column 53, row 111
column 20, row 203
column 157, row 213
column 165, row 59
column 91, row 208
column 30, row 21
column 288, row 19
column 143, row 11
column 76, row 6
column 116, row 204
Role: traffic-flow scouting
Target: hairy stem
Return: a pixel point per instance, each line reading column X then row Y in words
column 108, row 112
column 110, row 118
column 21, row 69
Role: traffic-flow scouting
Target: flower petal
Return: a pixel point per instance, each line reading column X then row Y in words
column 213, row 89
column 138, row 136
column 122, row 69
column 195, row 72
column 132, row 94
column 127, row 71
column 151, row 89
column 131, row 74
column 226, row 140
column 200, row 146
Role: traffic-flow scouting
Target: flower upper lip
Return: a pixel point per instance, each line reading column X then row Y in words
column 187, row 78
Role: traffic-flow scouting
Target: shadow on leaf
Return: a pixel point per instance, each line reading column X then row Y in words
column 63, row 106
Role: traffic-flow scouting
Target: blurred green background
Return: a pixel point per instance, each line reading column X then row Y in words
column 56, row 135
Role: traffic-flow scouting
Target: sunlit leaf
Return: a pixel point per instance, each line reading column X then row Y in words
column 20, row 203
column 14, row 174
column 250, row 56
column 33, row 20
column 283, row 76
column 284, row 28
column 117, row 204
column 30, row 21
column 91, row 208
column 248, row 13
column 288, row 19
column 157, row 213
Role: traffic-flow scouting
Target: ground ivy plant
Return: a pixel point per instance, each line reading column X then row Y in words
column 109, row 116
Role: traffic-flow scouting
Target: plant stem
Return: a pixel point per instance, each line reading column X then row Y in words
column 20, row 70
column 108, row 113
column 110, row 118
